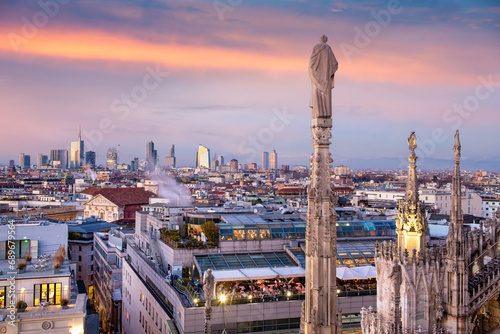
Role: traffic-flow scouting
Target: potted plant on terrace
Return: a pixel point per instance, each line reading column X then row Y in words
column 64, row 303
column 21, row 306
column 59, row 259
column 28, row 257
column 21, row 266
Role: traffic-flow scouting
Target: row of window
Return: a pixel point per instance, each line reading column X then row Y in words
column 50, row 292
column 267, row 325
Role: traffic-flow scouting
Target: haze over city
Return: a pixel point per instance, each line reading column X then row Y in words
column 233, row 77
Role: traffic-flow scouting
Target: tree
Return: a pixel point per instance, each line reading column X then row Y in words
column 211, row 231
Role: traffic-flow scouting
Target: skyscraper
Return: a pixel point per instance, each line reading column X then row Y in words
column 203, row 157
column 274, row 160
column 134, row 165
column 77, row 156
column 90, row 158
column 170, row 160
column 171, row 151
column 220, row 158
column 24, row 161
column 59, row 158
column 151, row 155
column 265, row 160
column 111, row 158
column 234, row 165
column 41, row 160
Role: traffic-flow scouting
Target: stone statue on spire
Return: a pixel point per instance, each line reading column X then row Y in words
column 412, row 143
column 322, row 68
column 457, row 147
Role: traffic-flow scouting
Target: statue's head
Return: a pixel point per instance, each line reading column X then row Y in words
column 324, row 39
column 209, row 271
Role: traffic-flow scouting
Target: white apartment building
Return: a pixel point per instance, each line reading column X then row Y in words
column 490, row 205
column 440, row 200
column 42, row 287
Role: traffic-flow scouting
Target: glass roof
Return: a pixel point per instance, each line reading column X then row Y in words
column 244, row 261
column 349, row 253
column 253, row 227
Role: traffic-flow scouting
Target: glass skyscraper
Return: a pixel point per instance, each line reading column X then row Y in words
column 203, row 158
column 77, row 153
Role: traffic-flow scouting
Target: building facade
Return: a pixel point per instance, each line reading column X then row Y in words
column 109, row 256
column 24, row 161
column 112, row 204
column 59, row 158
column 265, row 160
column 274, row 160
column 203, row 157
column 111, row 158
column 77, row 156
column 90, row 158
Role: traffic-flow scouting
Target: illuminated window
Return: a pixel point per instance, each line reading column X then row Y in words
column 252, row 234
column 47, row 292
column 264, row 234
column 3, row 296
column 239, row 234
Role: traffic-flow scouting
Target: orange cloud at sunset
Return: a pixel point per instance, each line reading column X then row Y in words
column 370, row 65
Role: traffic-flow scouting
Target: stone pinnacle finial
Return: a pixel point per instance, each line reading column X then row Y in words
column 457, row 148
column 324, row 39
column 412, row 143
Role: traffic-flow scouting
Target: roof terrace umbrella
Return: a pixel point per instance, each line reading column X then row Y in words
column 345, row 273
column 366, row 271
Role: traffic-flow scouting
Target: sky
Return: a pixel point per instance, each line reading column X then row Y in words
column 232, row 75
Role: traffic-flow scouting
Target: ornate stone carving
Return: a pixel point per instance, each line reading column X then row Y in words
column 46, row 325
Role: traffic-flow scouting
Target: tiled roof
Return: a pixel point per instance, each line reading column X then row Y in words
column 124, row 196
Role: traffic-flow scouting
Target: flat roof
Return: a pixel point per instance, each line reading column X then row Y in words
column 350, row 253
column 236, row 261
column 91, row 227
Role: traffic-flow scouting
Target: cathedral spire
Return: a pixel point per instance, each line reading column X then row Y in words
column 456, row 231
column 411, row 222
column 411, row 183
column 456, row 269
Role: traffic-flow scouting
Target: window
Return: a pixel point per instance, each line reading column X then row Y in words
column 79, row 248
column 47, row 292
column 17, row 248
column 79, row 268
column 79, row 258
column 3, row 296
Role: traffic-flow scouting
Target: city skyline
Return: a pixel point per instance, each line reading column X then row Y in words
column 402, row 67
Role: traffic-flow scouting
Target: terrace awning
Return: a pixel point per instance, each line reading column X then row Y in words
column 346, row 273
column 253, row 274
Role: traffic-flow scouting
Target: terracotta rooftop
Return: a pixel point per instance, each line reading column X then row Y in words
column 122, row 196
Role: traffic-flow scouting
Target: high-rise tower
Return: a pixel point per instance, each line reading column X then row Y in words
column 77, row 153
column 274, row 160
column 203, row 157
column 265, row 160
